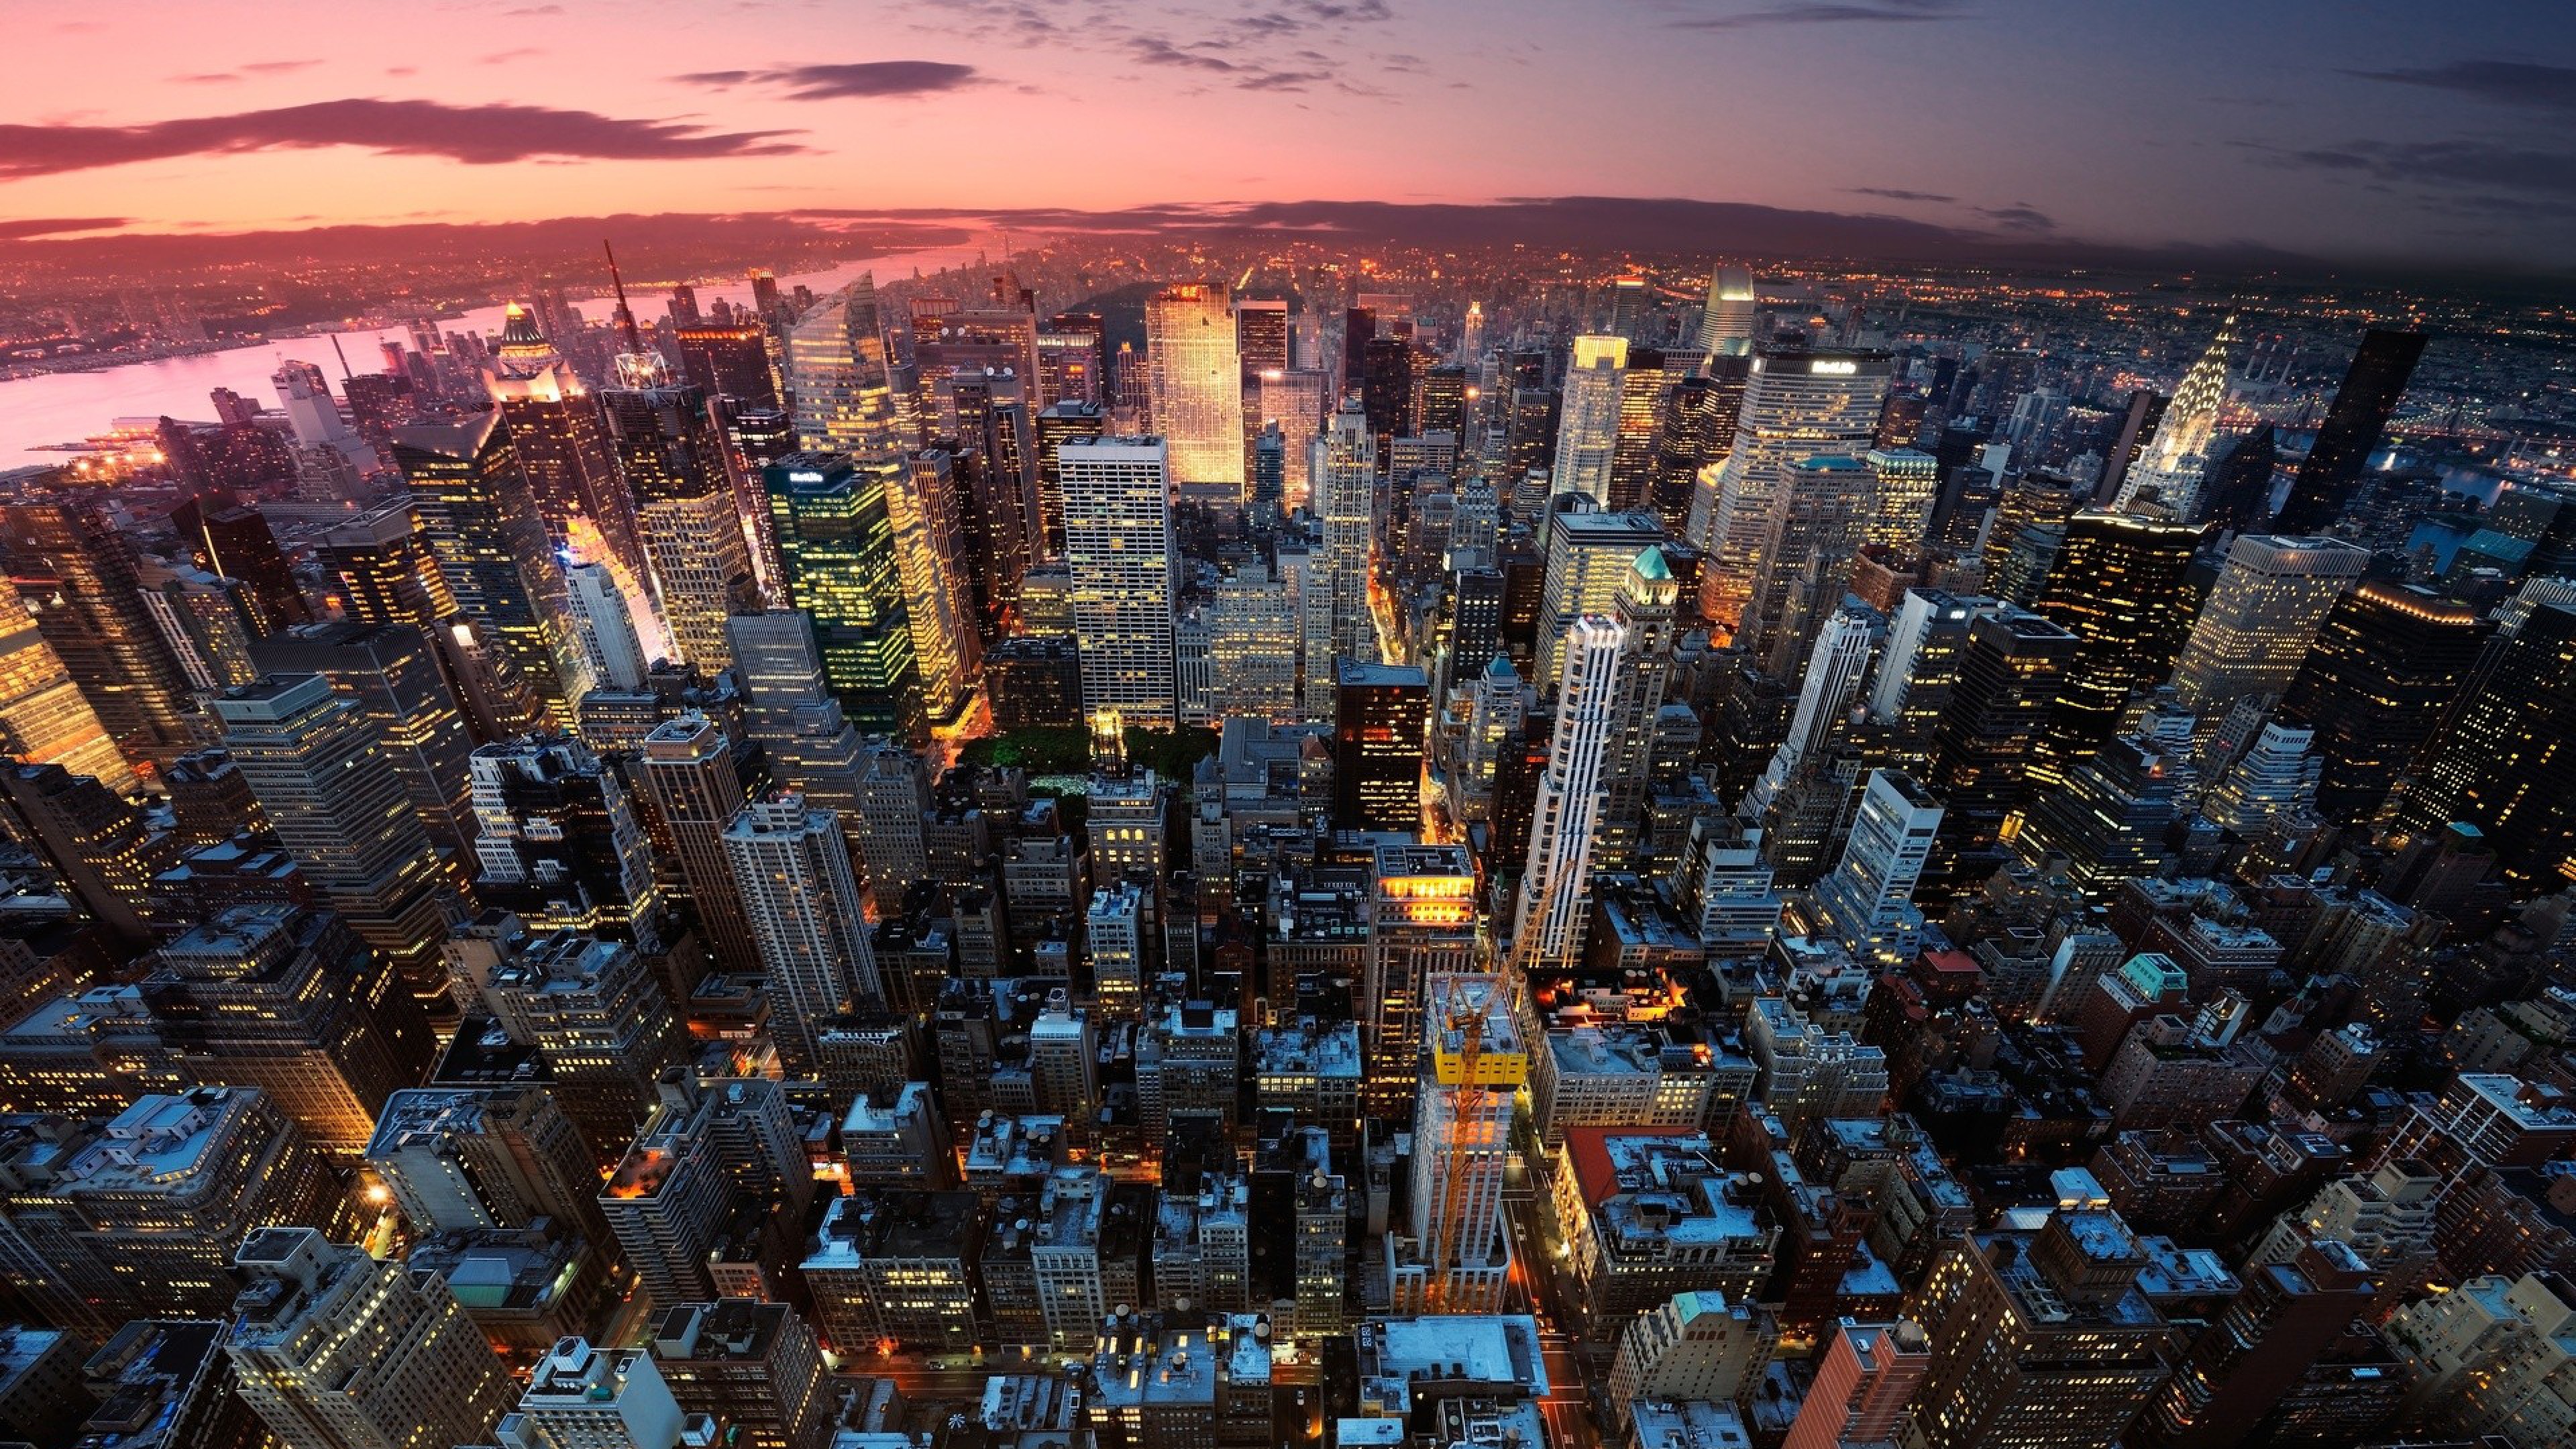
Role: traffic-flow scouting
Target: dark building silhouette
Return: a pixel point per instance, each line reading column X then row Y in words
column 2362, row 407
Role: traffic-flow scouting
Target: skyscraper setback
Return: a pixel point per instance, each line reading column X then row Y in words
column 1196, row 386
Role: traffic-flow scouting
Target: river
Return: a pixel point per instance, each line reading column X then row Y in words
column 66, row 407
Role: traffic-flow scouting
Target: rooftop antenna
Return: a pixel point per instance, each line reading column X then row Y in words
column 345, row 374
column 625, row 315
column 638, row 366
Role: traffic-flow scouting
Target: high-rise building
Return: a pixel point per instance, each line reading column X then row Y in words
column 1819, row 524
column 1072, row 367
column 491, row 546
column 392, row 673
column 1591, row 557
column 1054, row 424
column 1587, row 430
column 559, row 843
column 1339, row 623
column 837, row 551
column 1120, row 548
column 2117, row 586
column 1864, row 1388
column 80, row 577
column 1556, row 885
column 2501, row 763
column 931, row 566
column 2386, row 664
column 792, row 870
column 1908, row 481
column 610, row 645
column 2262, row 614
column 1867, row 901
column 2352, row 429
column 601, row 1021
column 1379, row 714
column 698, row 779
column 729, row 360
column 672, row 461
column 336, row 1350
column 44, row 717
column 1798, row 404
column 1196, row 387
column 580, row 1397
column 1729, row 320
column 1458, row 1255
column 102, row 848
column 459, row 1159
column 2009, row 673
column 233, row 540
column 1421, row 923
column 838, row 379
column 559, row 440
column 753, row 1366
column 1645, row 611
column 2176, row 458
column 327, row 784
column 2037, row 1337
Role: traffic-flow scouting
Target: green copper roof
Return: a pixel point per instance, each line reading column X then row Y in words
column 1650, row 564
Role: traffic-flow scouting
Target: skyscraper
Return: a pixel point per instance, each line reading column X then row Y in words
column 391, row 672
column 336, row 1350
column 2117, row 586
column 792, row 870
column 484, row 530
column 2271, row 595
column 836, row 544
column 1868, row 899
column 2352, row 429
column 462, row 1158
column 672, row 462
column 1799, row 404
column 2505, row 762
column 559, row 844
column 921, row 507
column 2008, row 680
column 730, row 361
column 1474, row 1062
column 1587, row 429
column 1119, row 546
column 838, row 379
column 610, row 646
column 698, row 780
column 1818, row 525
column 2387, row 661
column 1727, row 322
column 326, row 782
column 44, row 717
column 1556, row 885
column 79, row 576
column 1379, row 712
column 1196, row 382
column 559, row 439
column 2177, row 457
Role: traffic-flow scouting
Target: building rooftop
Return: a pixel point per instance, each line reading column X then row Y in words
column 1494, row 1352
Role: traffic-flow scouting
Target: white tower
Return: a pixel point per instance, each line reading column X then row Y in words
column 1726, row 323
column 608, row 637
column 1118, row 548
column 1557, row 886
column 1587, row 429
column 2178, row 455
column 793, row 872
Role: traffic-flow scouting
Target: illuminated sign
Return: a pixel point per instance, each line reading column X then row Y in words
column 1834, row 366
column 804, row 477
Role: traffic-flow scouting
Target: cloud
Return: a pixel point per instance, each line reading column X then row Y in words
column 257, row 67
column 853, row 80
column 504, row 57
column 535, row 10
column 57, row 226
column 2443, row 165
column 2020, row 216
column 475, row 135
column 1898, row 193
column 1866, row 12
column 1242, row 75
column 2503, row 82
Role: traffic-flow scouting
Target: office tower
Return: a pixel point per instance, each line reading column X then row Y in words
column 80, row 577
column 1907, row 481
column 1340, row 622
column 204, row 621
column 106, row 1219
column 1529, row 444
column 1421, row 923
column 292, row 1002
column 1836, row 668
column 391, row 672
column 2177, row 456
column 2144, row 410
column 1054, row 424
column 1459, row 1256
column 1798, row 404
column 2386, row 664
column 459, row 1159
column 2117, row 586
column 1590, row 557
column 101, row 848
column 1390, row 369
column 1692, row 1347
column 306, row 396
column 1379, row 714
column 2037, row 1337
column 1556, row 885
column 837, row 553
column 558, row 842
column 1820, row 523
column 667, row 1202
column 1261, row 334
column 559, row 440
column 790, row 713
column 580, row 1397
column 2352, row 429
column 44, row 717
column 731, row 361
column 2262, row 614
column 2501, row 762
column 792, row 870
column 1729, row 321
column 2492, row 1358
column 1072, row 368
column 1196, row 384
column 2238, row 492
column 1920, row 663
column 601, row 1020
column 2108, row 822
column 609, row 644
column 992, row 513
column 325, row 780
column 893, row 793
column 491, row 547
column 2008, row 678
column 336, row 1350
column 672, row 461
column 1863, row 1392
column 1694, row 427
column 752, row 1366
column 1113, row 924
column 232, row 539
column 1868, row 900
column 838, row 379
column 386, row 570
column 1252, row 642
column 1633, row 459
column 1645, row 612
column 698, row 780
column 1587, row 430
column 1119, row 546
column 921, row 507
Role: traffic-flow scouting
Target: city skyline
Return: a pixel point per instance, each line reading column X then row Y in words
column 2289, row 135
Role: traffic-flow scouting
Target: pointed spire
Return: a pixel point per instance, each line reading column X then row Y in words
column 519, row 328
column 626, row 333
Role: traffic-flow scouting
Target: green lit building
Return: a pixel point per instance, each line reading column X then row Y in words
column 836, row 550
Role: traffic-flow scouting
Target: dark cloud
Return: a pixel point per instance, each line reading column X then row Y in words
column 2437, row 165
column 475, row 135
column 1899, row 193
column 2020, row 216
column 2503, row 82
column 1242, row 75
column 57, row 225
column 853, row 80
column 1868, row 12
